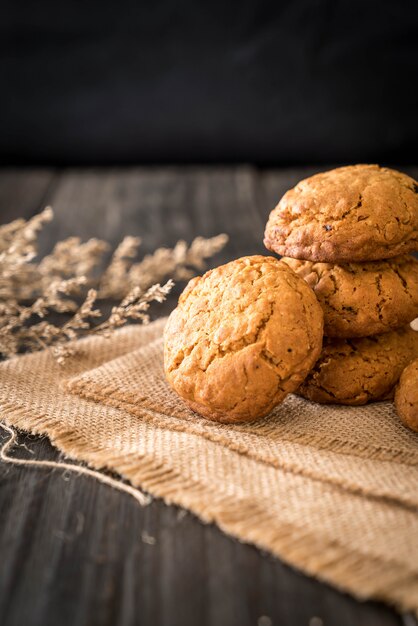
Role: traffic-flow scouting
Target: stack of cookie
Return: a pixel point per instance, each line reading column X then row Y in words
column 348, row 233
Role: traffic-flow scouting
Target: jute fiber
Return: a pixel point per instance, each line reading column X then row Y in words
column 331, row 490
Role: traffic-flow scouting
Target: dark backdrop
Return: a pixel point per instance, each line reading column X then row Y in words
column 186, row 80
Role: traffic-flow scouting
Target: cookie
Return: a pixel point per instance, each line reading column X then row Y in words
column 350, row 214
column 362, row 299
column 242, row 337
column 406, row 396
column 357, row 371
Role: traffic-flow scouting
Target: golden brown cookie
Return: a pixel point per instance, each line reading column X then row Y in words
column 363, row 370
column 355, row 213
column 362, row 299
column 242, row 337
column 406, row 396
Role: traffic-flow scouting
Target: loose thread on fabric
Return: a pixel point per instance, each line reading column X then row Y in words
column 8, row 445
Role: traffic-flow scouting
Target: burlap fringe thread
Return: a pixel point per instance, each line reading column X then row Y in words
column 12, row 442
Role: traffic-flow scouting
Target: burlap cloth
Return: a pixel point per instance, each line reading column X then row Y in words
column 331, row 490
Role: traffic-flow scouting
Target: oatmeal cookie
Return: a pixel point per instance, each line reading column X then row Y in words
column 406, row 396
column 362, row 299
column 242, row 337
column 355, row 213
column 357, row 371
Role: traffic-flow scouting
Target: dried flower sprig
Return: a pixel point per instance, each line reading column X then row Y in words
column 180, row 263
column 31, row 292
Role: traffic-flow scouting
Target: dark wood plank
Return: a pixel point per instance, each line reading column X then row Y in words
column 273, row 185
column 23, row 192
column 73, row 551
column 160, row 205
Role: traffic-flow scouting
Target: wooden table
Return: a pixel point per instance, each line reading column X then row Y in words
column 75, row 552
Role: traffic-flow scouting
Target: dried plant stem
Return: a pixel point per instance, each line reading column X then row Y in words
column 68, row 282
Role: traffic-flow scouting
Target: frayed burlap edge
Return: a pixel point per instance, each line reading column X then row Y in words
column 388, row 581
column 162, row 420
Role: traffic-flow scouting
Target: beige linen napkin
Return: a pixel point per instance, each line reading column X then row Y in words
column 331, row 490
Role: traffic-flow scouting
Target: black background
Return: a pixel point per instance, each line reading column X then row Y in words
column 189, row 81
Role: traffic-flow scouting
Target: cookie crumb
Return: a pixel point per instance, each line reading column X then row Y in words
column 181, row 514
column 148, row 539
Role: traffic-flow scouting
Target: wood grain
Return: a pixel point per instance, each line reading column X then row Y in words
column 23, row 192
column 74, row 552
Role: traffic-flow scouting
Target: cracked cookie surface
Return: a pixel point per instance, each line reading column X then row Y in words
column 355, row 213
column 357, row 371
column 406, row 396
column 242, row 337
column 362, row 299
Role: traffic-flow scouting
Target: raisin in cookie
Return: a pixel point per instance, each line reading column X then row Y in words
column 406, row 396
column 362, row 299
column 354, row 213
column 242, row 337
column 363, row 370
